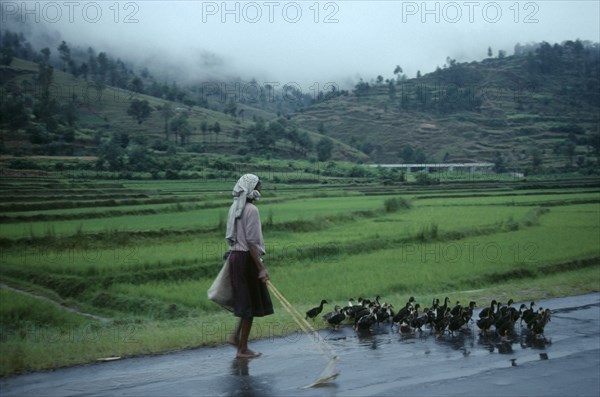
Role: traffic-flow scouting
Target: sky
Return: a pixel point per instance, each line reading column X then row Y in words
column 310, row 43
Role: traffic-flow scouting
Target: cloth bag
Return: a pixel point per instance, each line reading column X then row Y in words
column 221, row 291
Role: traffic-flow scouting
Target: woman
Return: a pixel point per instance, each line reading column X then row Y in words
column 248, row 274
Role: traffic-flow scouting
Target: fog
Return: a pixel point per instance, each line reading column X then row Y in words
column 311, row 43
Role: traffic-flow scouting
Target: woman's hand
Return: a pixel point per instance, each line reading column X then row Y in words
column 263, row 275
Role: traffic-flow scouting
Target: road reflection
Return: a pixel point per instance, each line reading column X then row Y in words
column 242, row 383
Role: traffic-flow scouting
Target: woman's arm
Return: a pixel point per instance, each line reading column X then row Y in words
column 255, row 254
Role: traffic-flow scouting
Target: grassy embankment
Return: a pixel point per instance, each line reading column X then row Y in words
column 147, row 272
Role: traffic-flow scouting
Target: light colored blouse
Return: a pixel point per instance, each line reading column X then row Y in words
column 249, row 230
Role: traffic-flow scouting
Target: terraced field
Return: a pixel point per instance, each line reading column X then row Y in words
column 141, row 255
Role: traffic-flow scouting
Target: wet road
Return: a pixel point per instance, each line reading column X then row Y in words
column 380, row 364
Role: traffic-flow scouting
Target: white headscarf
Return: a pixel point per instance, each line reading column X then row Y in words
column 243, row 189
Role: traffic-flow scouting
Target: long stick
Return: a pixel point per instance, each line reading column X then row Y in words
column 301, row 321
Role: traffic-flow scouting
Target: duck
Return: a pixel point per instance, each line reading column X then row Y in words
column 383, row 312
column 485, row 323
column 505, row 326
column 414, row 314
column 435, row 302
column 314, row 312
column 486, row 310
column 377, row 303
column 528, row 315
column 336, row 319
column 403, row 313
column 335, row 311
column 353, row 309
column 366, row 321
column 468, row 311
column 430, row 316
column 517, row 314
column 419, row 321
column 363, row 310
column 441, row 321
column 441, row 310
column 456, row 309
column 539, row 323
column 405, row 328
column 456, row 321
column 504, row 309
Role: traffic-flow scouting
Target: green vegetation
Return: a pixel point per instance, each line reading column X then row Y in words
column 115, row 193
column 532, row 113
column 144, row 274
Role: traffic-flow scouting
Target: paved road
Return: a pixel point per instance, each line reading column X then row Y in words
column 383, row 364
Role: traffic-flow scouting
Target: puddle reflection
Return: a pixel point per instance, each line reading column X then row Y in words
column 465, row 340
column 242, row 383
column 529, row 340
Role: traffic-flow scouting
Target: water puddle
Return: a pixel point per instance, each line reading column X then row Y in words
column 382, row 362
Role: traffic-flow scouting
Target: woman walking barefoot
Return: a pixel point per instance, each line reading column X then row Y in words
column 248, row 273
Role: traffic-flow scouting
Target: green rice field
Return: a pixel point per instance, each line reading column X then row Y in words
column 137, row 257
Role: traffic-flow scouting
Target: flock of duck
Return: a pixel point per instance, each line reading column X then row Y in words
column 496, row 318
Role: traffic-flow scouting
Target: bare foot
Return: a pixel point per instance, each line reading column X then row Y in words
column 248, row 354
column 232, row 341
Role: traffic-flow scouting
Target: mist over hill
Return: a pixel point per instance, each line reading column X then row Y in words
column 536, row 110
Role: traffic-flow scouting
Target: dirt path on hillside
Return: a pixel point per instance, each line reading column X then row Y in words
column 58, row 305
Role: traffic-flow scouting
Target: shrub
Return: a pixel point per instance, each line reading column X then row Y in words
column 396, row 203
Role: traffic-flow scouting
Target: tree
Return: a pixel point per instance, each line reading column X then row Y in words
column 361, row 88
column 216, row 129
column 44, row 108
column 490, row 53
column 166, row 112
column 324, row 148
column 111, row 154
column 501, row 54
column 569, row 150
column 391, row 90
column 230, row 108
column 6, row 56
column 181, row 127
column 65, row 54
column 102, row 59
column 499, row 166
column 321, row 128
column 140, row 110
column 536, row 159
column 305, row 142
column 45, row 55
column 407, row 153
column 137, row 85
column 203, row 128
column 83, row 70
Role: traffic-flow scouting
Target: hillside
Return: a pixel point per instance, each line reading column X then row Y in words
column 75, row 116
column 537, row 111
column 540, row 109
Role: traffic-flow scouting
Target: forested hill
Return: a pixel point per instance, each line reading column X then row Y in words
column 536, row 109
column 60, row 102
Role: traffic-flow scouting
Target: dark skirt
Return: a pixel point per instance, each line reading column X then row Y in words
column 250, row 295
